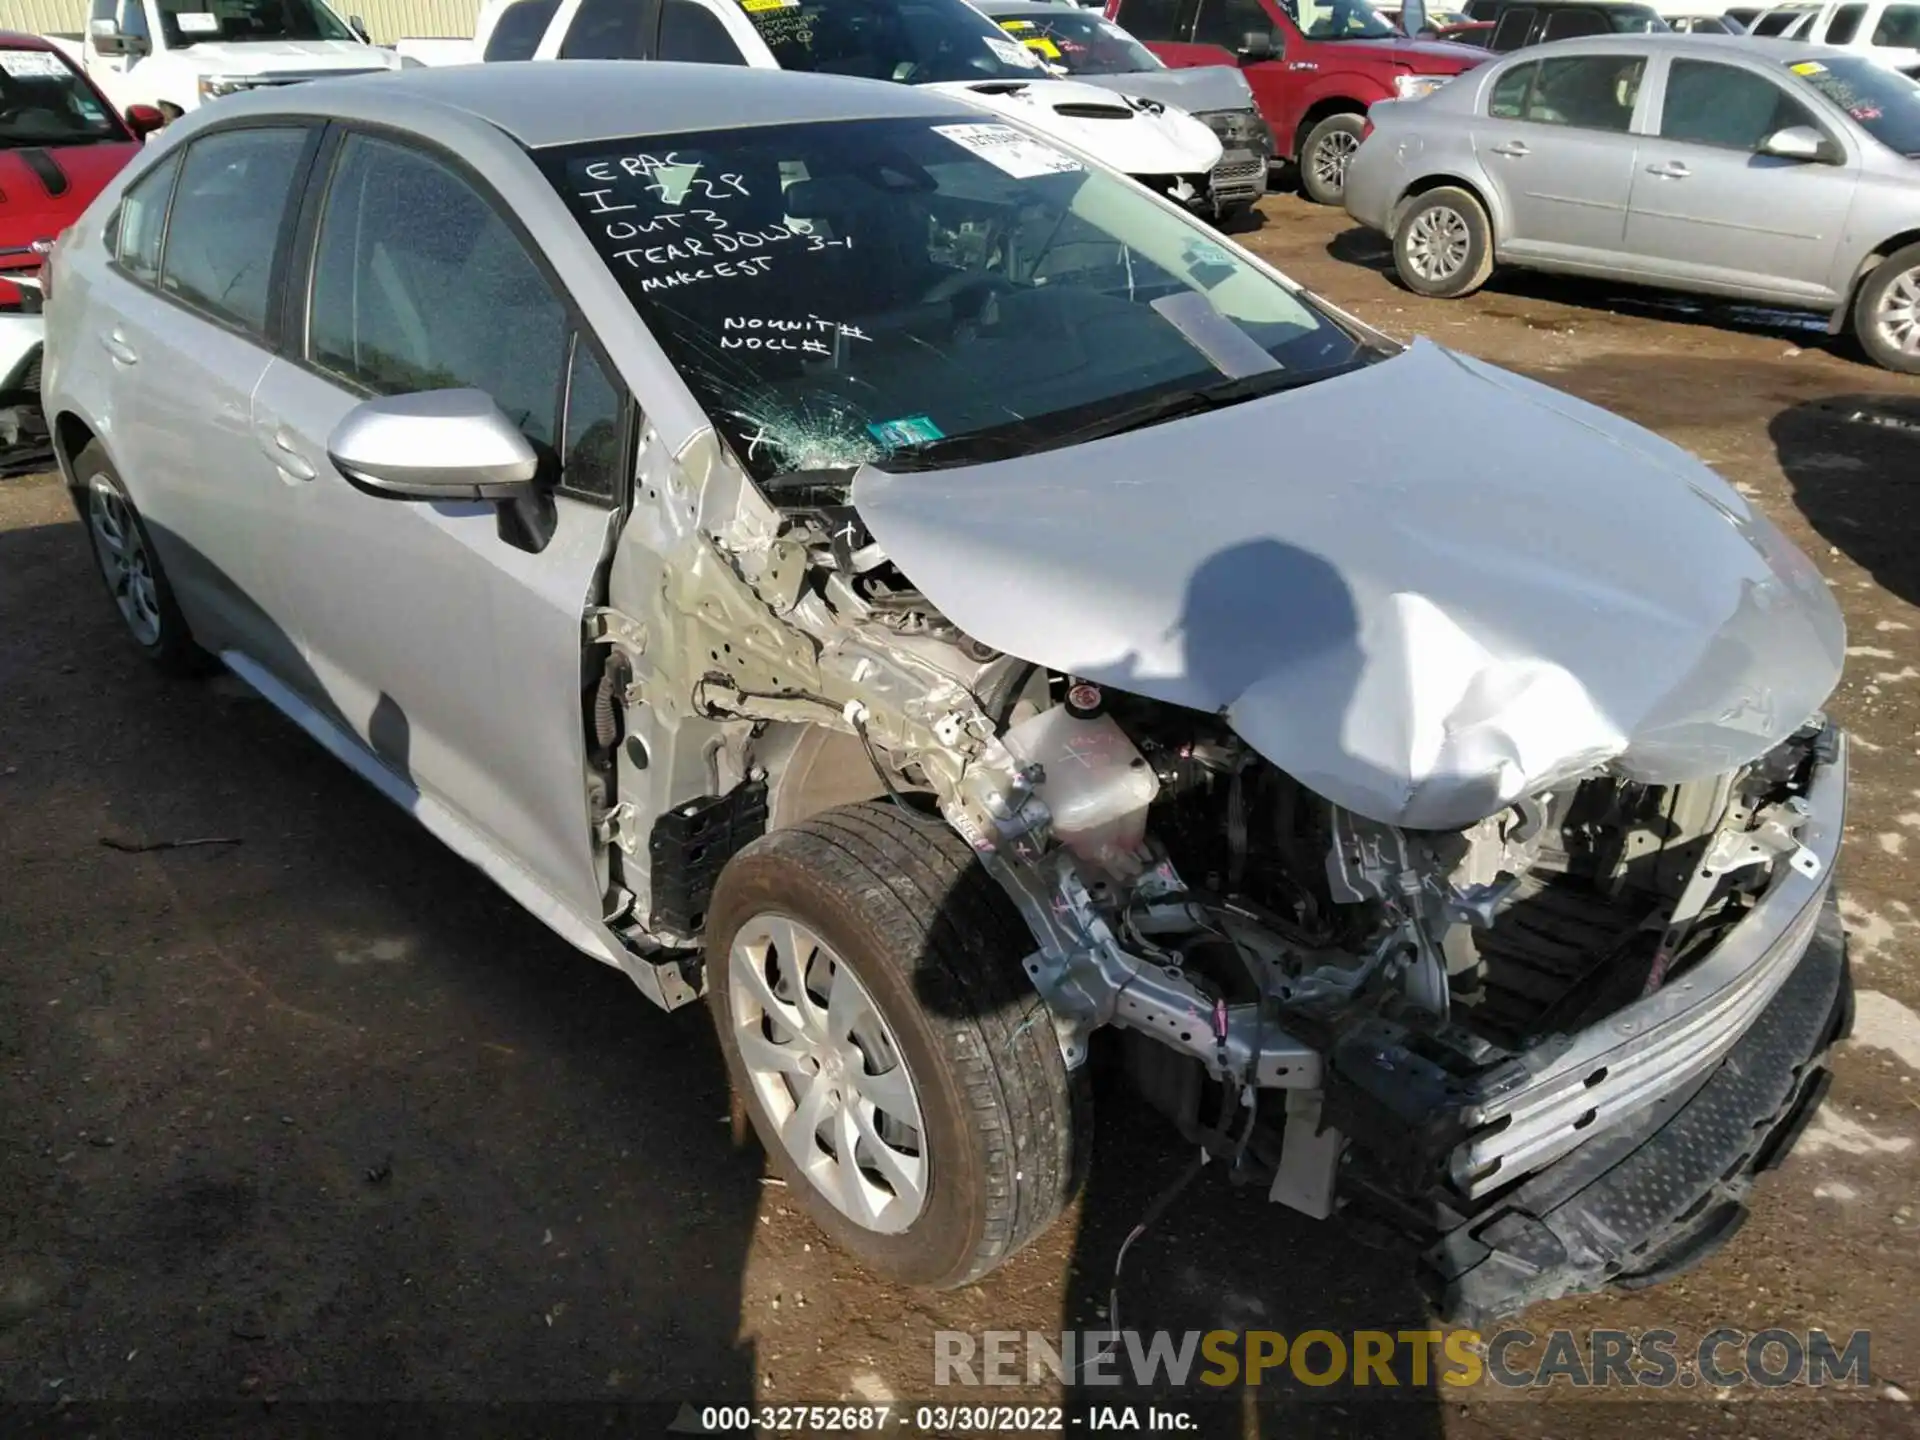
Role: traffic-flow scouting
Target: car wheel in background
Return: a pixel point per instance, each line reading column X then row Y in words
column 1324, row 155
column 124, row 553
column 865, row 974
column 1443, row 245
column 1886, row 313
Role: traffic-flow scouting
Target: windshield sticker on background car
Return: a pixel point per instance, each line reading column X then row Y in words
column 913, row 430
column 30, row 64
column 197, row 22
column 1016, row 24
column 1808, row 67
column 757, row 7
column 1011, row 52
column 1005, row 148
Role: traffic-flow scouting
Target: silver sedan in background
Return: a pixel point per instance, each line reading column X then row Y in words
column 1761, row 170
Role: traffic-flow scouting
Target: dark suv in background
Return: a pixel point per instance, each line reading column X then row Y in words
column 1314, row 67
column 1534, row 22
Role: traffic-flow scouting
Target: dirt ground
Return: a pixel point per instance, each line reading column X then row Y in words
column 318, row 1114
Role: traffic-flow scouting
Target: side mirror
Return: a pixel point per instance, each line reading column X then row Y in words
column 1255, row 46
column 359, row 27
column 434, row 445
column 1801, row 142
column 143, row 120
column 107, row 39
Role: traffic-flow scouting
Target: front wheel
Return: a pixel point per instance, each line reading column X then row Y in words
column 1886, row 314
column 1325, row 154
column 865, row 974
column 1443, row 245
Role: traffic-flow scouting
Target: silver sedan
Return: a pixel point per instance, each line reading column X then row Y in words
column 1761, row 170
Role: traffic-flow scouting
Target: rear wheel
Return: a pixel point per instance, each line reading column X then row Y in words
column 1443, row 245
column 124, row 553
column 1886, row 313
column 865, row 974
column 1324, row 155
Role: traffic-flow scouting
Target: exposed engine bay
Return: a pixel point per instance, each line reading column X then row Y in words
column 1249, row 935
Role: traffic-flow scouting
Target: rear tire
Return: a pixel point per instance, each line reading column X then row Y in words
column 123, row 553
column 974, row 1142
column 1324, row 156
column 1886, row 312
column 1443, row 245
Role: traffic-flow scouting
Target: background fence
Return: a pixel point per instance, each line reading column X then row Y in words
column 388, row 20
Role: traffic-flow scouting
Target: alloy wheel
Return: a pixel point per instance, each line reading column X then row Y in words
column 1330, row 159
column 1897, row 316
column 124, row 560
column 828, row 1071
column 1437, row 244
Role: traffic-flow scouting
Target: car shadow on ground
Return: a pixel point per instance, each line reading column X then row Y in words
column 1851, row 460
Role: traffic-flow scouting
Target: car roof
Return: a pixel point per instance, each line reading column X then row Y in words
column 540, row 103
column 18, row 40
column 1031, row 7
column 1766, row 50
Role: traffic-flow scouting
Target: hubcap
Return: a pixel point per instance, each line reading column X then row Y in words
column 825, row 1066
column 1898, row 316
column 1437, row 243
column 1330, row 159
column 124, row 559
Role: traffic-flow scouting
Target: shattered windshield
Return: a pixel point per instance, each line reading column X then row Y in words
column 858, row 291
column 43, row 102
column 914, row 42
column 1885, row 103
column 189, row 22
column 1080, row 42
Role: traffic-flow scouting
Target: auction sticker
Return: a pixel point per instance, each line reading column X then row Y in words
column 1012, row 52
column 1005, row 148
column 197, row 22
column 29, row 64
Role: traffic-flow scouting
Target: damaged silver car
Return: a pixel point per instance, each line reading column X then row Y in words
column 867, row 565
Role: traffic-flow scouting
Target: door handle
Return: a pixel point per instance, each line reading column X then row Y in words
column 1515, row 148
column 115, row 344
column 1669, row 170
column 286, row 455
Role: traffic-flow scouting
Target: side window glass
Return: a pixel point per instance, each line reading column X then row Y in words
column 1511, row 32
column 1587, row 92
column 1845, row 24
column 690, row 31
column 1508, row 99
column 594, row 446
column 1899, row 27
column 142, row 222
column 226, row 223
column 1226, row 23
column 1566, row 24
column 607, row 30
column 1724, row 105
column 418, row 284
column 516, row 34
column 1152, row 19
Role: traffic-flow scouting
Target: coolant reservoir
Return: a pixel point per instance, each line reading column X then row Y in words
column 1096, row 786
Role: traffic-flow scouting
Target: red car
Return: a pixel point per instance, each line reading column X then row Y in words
column 60, row 143
column 1315, row 67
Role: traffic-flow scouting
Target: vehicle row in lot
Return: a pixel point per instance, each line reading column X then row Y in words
column 1754, row 169
column 821, row 548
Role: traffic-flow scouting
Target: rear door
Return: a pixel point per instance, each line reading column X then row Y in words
column 1557, row 143
column 444, row 638
column 1709, row 209
column 202, row 245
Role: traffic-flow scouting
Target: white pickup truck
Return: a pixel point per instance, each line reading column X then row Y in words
column 178, row 54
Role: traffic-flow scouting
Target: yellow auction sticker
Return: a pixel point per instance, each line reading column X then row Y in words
column 1808, row 67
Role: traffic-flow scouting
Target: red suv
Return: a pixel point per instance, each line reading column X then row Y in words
column 1314, row 66
column 60, row 143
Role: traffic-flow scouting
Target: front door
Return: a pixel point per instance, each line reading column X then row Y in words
column 1708, row 208
column 448, row 642
column 1558, row 146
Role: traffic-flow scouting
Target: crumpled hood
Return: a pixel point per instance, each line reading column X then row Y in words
column 1134, row 142
column 1424, row 589
column 264, row 57
column 1200, row 88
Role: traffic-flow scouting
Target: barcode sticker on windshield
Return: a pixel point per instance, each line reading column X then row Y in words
column 1012, row 52
column 1005, row 148
column 28, row 64
column 198, row 22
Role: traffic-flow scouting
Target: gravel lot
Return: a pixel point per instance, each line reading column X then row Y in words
column 319, row 1114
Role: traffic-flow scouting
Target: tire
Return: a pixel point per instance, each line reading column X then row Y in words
column 1443, row 244
column 123, row 553
column 1324, row 155
column 1886, row 312
column 935, row 948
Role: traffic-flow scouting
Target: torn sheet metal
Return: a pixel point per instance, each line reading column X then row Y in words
column 1425, row 589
